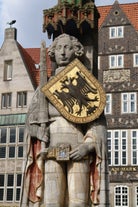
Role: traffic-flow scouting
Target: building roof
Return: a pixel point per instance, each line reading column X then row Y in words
column 30, row 63
column 131, row 11
column 31, row 58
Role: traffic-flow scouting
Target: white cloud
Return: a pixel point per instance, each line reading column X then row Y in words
column 29, row 18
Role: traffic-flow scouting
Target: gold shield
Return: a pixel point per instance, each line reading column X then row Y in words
column 76, row 93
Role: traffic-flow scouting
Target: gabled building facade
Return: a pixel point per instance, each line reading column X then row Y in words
column 17, row 86
column 118, row 72
column 19, row 78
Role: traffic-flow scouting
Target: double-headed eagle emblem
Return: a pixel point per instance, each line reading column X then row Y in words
column 76, row 93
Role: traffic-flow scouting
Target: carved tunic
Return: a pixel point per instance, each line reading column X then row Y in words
column 63, row 131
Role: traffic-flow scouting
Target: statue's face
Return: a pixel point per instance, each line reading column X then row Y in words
column 64, row 52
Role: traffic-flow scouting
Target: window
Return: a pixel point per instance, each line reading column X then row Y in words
column 8, row 70
column 108, row 108
column 99, row 59
column 20, row 151
column 2, row 184
column 12, row 131
column 22, row 99
column 116, row 61
column 116, row 32
column 6, row 100
column 21, row 134
column 136, row 195
column 117, row 147
column 129, row 104
column 3, row 140
column 11, row 151
column 121, row 196
column 116, row 154
column 11, row 142
column 3, row 135
column 134, row 147
column 18, row 186
column 124, row 147
column 2, row 151
column 135, row 60
column 10, row 187
column 109, row 143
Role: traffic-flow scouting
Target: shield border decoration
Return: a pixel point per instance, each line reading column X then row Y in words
column 47, row 89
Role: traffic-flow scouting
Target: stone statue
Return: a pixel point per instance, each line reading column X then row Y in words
column 82, row 180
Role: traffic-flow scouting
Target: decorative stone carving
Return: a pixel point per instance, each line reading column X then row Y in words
column 69, row 14
column 116, row 76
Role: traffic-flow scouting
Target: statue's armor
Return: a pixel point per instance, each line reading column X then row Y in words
column 63, row 131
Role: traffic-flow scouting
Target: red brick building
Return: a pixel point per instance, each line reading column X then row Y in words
column 118, row 72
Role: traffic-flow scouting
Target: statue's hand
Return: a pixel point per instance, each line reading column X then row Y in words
column 43, row 153
column 81, row 151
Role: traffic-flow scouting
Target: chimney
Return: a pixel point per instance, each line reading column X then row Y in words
column 11, row 33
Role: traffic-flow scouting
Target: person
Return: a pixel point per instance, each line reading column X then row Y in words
column 81, row 180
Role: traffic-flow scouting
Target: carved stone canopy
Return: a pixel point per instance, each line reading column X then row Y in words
column 74, row 17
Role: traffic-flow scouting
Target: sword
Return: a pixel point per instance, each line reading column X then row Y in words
column 43, row 109
column 43, row 103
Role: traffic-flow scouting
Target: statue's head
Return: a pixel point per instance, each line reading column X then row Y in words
column 64, row 49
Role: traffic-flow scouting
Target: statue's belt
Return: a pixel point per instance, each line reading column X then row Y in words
column 60, row 152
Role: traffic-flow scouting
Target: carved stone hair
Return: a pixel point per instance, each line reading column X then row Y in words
column 77, row 46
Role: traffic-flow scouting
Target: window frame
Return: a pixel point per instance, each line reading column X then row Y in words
column 10, row 187
column 18, row 187
column 116, row 32
column 6, row 100
column 2, row 187
column 21, row 99
column 116, row 148
column 4, row 149
column 121, row 195
column 134, row 148
column 116, row 61
column 126, row 103
column 8, row 70
column 14, row 187
column 110, row 146
column 108, row 107
column 15, row 144
column 99, row 62
column 135, row 60
column 136, row 195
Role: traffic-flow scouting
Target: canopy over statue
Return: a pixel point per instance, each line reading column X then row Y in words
column 74, row 17
column 76, row 2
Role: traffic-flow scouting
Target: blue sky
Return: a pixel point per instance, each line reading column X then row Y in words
column 29, row 17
